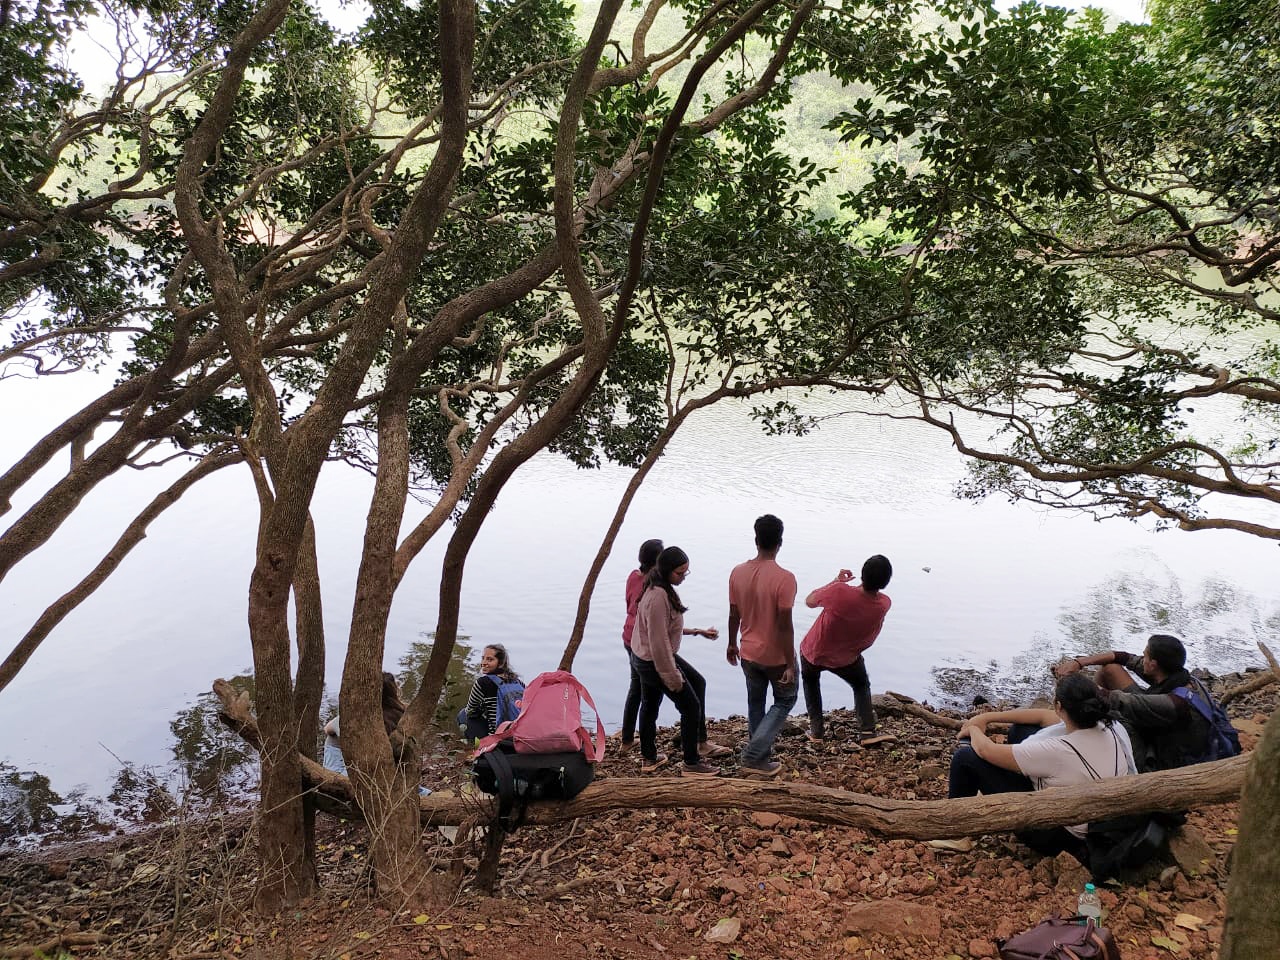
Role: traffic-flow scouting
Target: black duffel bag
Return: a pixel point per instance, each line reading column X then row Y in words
column 518, row 779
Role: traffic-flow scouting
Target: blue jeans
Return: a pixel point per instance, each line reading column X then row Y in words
column 688, row 700
column 763, row 727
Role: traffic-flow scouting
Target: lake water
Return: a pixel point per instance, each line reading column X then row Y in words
column 991, row 585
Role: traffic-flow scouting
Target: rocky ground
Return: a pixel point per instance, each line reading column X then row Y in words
column 652, row 884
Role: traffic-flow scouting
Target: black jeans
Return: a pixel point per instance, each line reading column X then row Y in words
column 971, row 775
column 855, row 675
column 631, row 708
column 688, row 699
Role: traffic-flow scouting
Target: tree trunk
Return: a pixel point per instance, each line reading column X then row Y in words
column 1253, row 921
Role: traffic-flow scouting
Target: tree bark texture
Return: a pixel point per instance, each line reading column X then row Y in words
column 1253, row 893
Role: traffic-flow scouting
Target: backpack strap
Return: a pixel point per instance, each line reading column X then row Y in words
column 505, row 779
column 1087, row 765
column 593, row 750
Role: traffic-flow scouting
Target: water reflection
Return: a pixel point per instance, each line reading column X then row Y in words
column 211, row 766
column 1220, row 625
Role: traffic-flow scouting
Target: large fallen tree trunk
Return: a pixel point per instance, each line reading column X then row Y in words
column 1181, row 789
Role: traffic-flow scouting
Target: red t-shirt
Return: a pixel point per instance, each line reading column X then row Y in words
column 850, row 621
column 760, row 589
column 635, row 587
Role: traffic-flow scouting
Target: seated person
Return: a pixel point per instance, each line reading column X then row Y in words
column 393, row 708
column 1072, row 743
column 493, row 696
column 1167, row 731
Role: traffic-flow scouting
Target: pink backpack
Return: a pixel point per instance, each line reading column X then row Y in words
column 550, row 719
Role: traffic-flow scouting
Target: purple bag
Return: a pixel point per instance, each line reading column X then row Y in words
column 1059, row 939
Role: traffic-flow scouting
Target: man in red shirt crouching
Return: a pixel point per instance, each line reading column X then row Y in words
column 850, row 621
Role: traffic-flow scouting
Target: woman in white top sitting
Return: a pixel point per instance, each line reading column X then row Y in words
column 1075, row 742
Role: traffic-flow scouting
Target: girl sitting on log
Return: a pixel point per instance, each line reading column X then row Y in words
column 1072, row 743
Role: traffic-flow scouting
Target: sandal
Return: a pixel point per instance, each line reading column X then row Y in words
column 648, row 766
column 709, row 749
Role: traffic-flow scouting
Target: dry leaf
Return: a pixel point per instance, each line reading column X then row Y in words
column 1188, row 921
column 362, row 935
column 421, row 918
column 1167, row 944
column 726, row 930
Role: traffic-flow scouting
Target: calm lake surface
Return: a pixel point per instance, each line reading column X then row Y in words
column 996, row 587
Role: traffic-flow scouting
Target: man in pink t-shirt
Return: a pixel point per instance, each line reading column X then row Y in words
column 849, row 623
column 761, row 595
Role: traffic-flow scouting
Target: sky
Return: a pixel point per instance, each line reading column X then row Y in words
column 96, row 64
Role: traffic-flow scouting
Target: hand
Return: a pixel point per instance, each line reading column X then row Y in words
column 844, row 576
column 711, row 633
column 967, row 728
column 731, row 654
column 1066, row 667
column 788, row 675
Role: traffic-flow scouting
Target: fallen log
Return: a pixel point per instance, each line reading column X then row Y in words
column 1168, row 790
column 1257, row 681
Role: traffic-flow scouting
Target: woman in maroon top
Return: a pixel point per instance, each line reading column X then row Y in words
column 649, row 551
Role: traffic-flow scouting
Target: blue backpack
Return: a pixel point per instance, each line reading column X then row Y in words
column 510, row 693
column 1223, row 739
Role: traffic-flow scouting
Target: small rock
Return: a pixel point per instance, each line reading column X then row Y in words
column 981, row 948
column 766, row 821
column 1189, row 849
column 931, row 771
column 894, row 917
column 57, row 869
column 1134, row 913
column 1167, row 876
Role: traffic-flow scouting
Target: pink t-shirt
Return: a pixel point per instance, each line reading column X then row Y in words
column 761, row 589
column 635, row 587
column 850, row 621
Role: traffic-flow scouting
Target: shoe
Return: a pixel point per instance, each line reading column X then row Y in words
column 648, row 766
column 764, row 771
column 700, row 769
column 813, row 737
column 875, row 741
column 958, row 845
column 709, row 749
column 624, row 746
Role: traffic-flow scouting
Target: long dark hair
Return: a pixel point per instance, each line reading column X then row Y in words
column 1081, row 700
column 393, row 707
column 504, row 670
column 660, row 575
column 649, row 551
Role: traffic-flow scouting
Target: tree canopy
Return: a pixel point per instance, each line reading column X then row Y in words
column 466, row 234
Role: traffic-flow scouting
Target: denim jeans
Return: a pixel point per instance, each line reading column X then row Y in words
column 855, row 675
column 763, row 727
column 688, row 700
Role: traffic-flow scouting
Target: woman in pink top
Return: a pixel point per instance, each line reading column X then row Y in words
column 655, row 644
column 649, row 551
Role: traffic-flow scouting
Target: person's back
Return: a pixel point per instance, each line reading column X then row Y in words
column 761, row 589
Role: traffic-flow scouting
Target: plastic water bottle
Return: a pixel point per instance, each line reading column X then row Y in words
column 1088, row 905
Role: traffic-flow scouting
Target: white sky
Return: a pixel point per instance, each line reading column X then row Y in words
column 94, row 58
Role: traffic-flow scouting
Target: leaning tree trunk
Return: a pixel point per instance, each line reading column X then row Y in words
column 1253, row 892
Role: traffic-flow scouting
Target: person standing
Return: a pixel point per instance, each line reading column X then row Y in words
column 649, row 551
column 655, row 643
column 761, row 596
column 850, row 621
